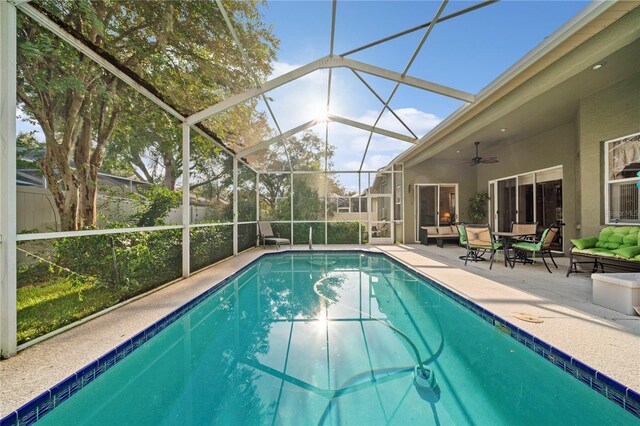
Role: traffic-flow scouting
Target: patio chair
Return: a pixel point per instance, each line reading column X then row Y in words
column 479, row 237
column 525, row 228
column 266, row 236
column 542, row 246
column 475, row 255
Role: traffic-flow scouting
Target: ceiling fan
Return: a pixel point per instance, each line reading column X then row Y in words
column 477, row 159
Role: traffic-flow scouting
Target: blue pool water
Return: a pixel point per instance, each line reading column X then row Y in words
column 332, row 339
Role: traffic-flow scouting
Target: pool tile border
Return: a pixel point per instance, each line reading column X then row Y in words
column 32, row 411
column 51, row 398
column 623, row 396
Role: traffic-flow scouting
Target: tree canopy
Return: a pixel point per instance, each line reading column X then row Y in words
column 183, row 49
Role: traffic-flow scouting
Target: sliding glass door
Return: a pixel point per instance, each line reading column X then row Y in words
column 507, row 211
column 529, row 197
column 436, row 205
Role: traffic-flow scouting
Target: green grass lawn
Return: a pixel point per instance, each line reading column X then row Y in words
column 47, row 306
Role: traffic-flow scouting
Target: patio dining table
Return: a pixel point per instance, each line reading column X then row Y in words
column 506, row 238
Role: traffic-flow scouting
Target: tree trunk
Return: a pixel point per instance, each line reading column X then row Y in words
column 169, row 174
column 61, row 181
column 87, row 187
column 65, row 199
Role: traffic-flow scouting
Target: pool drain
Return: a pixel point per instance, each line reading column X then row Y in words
column 424, row 377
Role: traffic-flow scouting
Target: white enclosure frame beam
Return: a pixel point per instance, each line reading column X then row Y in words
column 47, row 23
column 266, row 143
column 403, row 78
column 235, row 206
column 373, row 129
column 357, row 74
column 252, row 93
column 324, row 63
column 247, row 64
column 419, row 27
column 8, row 279
column 404, row 73
column 330, row 118
column 334, row 6
column 186, row 207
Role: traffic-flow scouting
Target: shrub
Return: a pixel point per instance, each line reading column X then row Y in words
column 210, row 244
column 344, row 232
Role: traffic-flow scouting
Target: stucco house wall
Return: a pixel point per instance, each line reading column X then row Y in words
column 605, row 115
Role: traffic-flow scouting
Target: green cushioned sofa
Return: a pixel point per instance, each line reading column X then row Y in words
column 617, row 246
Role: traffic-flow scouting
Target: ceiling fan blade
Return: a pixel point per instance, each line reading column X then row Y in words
column 490, row 160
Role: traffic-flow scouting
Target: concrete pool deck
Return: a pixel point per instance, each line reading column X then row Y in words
column 604, row 339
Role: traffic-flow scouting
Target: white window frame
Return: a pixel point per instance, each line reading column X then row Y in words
column 493, row 216
column 608, row 182
column 416, row 196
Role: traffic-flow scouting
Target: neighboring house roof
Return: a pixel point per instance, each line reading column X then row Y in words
column 33, row 177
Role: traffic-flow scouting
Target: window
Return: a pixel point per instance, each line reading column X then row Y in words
column 534, row 196
column 435, row 205
column 622, row 177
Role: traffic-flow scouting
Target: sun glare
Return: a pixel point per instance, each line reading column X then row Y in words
column 322, row 116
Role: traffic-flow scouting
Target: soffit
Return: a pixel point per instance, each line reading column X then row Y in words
column 547, row 72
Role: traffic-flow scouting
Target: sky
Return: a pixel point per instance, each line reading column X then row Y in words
column 465, row 53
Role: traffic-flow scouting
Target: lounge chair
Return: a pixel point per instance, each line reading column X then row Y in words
column 479, row 237
column 542, row 246
column 266, row 236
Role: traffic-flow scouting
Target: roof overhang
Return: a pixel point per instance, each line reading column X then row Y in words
column 551, row 63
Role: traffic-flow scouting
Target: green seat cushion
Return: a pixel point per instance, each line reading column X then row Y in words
column 595, row 251
column 621, row 242
column 527, row 246
column 627, row 252
column 584, row 243
column 612, row 237
column 609, row 245
column 631, row 239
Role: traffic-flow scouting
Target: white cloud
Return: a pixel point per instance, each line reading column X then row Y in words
column 376, row 161
column 281, row 68
column 419, row 122
column 300, row 100
column 305, row 99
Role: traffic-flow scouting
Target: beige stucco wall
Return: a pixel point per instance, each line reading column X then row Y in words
column 554, row 147
column 576, row 146
column 432, row 171
column 606, row 115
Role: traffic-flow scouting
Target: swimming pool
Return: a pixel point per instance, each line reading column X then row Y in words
column 332, row 338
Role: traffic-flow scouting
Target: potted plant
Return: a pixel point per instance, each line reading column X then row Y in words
column 477, row 207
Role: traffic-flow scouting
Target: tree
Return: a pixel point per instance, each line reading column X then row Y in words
column 183, row 49
column 477, row 207
column 306, row 153
column 29, row 151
